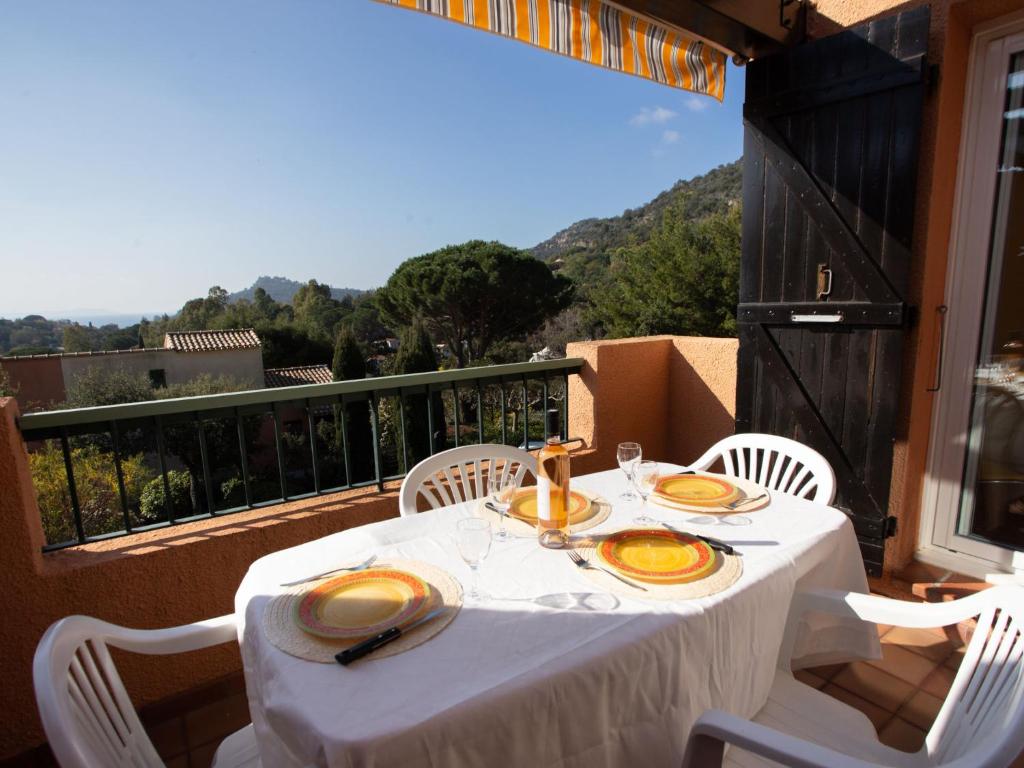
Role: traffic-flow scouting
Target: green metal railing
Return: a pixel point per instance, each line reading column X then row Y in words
column 138, row 466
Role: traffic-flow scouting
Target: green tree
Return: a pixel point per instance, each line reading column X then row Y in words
column 316, row 312
column 350, row 363
column 99, row 386
column 473, row 295
column 76, row 338
column 7, row 387
column 416, row 354
column 152, row 502
column 684, row 280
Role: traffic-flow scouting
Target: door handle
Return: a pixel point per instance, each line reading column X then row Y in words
column 824, row 282
column 937, row 383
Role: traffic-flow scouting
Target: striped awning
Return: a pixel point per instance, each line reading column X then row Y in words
column 596, row 32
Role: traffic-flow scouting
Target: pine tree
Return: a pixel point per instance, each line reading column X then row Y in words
column 416, row 354
column 349, row 363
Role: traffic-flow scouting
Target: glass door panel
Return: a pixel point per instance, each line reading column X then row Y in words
column 991, row 505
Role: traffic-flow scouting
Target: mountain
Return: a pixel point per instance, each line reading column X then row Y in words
column 282, row 289
column 585, row 247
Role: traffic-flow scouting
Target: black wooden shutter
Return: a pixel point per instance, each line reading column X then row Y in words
column 829, row 173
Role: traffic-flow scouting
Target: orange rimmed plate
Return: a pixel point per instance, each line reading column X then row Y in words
column 657, row 556
column 524, row 506
column 697, row 490
column 361, row 604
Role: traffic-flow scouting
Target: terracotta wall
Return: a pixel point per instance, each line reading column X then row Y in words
column 674, row 395
column 952, row 26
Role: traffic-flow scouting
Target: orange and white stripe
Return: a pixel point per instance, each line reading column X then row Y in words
column 595, row 32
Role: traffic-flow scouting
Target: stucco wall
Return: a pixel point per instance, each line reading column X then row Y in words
column 952, row 27
column 674, row 395
column 128, row 361
column 243, row 365
column 38, row 381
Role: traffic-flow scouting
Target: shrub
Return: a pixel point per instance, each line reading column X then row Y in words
column 152, row 504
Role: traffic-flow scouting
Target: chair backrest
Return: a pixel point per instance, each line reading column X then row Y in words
column 777, row 463
column 88, row 717
column 459, row 474
column 981, row 722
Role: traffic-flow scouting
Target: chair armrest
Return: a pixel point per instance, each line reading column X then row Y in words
column 715, row 728
column 187, row 637
column 883, row 610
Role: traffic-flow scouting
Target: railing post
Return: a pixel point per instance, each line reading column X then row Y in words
column 544, row 410
column 205, row 459
column 314, row 454
column 243, row 456
column 168, row 501
column 565, row 397
column 375, row 425
column 344, row 440
column 504, row 414
column 430, row 421
column 401, row 423
column 455, row 411
column 76, row 510
column 115, row 443
column 526, row 416
column 280, row 453
column 479, row 414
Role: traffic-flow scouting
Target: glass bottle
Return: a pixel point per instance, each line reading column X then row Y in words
column 553, row 488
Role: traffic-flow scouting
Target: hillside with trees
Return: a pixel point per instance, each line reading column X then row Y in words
column 282, row 289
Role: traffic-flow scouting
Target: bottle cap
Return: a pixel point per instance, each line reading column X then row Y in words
column 554, row 428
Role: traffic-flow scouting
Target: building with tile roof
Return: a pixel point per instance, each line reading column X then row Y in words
column 212, row 341
column 297, row 375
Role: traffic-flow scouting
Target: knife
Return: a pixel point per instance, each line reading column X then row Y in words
column 359, row 650
column 721, row 546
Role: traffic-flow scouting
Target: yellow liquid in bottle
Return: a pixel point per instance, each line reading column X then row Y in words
column 553, row 495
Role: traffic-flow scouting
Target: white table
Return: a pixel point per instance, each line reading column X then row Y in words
column 515, row 683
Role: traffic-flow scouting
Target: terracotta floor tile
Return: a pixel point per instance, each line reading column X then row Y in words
column 957, row 656
column 873, row 684
column 878, row 716
column 809, row 678
column 908, row 666
column 938, row 682
column 899, row 734
column 921, row 709
column 883, row 628
column 828, row 671
column 926, row 642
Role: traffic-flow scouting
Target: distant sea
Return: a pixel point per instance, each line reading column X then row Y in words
column 99, row 318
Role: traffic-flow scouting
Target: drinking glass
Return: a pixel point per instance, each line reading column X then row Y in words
column 473, row 539
column 502, row 489
column 628, row 454
column 645, row 478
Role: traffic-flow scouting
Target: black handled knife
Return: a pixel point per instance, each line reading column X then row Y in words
column 721, row 546
column 370, row 645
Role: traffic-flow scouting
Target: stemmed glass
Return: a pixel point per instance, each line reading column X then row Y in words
column 502, row 489
column 473, row 539
column 645, row 478
column 628, row 455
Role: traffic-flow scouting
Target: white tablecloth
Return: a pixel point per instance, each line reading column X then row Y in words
column 516, row 682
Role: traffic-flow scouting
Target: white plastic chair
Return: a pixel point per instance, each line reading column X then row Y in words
column 777, row 463
column 88, row 717
column 458, row 475
column 980, row 725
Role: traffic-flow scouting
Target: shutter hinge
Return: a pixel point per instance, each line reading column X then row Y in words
column 889, row 529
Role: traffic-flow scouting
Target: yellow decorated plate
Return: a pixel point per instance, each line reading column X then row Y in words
column 361, row 604
column 658, row 556
column 697, row 490
column 524, row 506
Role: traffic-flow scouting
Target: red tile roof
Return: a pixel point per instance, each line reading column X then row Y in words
column 210, row 341
column 301, row 374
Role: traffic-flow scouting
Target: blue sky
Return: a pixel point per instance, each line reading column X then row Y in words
column 150, row 150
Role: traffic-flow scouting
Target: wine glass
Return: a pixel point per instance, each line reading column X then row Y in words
column 502, row 489
column 645, row 478
column 628, row 455
column 473, row 539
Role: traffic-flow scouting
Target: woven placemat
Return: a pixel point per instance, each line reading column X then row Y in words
column 601, row 509
column 727, row 572
column 279, row 623
column 749, row 488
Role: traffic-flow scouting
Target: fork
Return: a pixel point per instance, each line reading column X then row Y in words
column 744, row 501
column 581, row 562
column 352, row 568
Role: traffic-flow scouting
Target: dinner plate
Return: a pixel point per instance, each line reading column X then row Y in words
column 524, row 506
column 658, row 556
column 361, row 604
column 697, row 490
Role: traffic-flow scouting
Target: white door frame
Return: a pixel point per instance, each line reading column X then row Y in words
column 966, row 283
